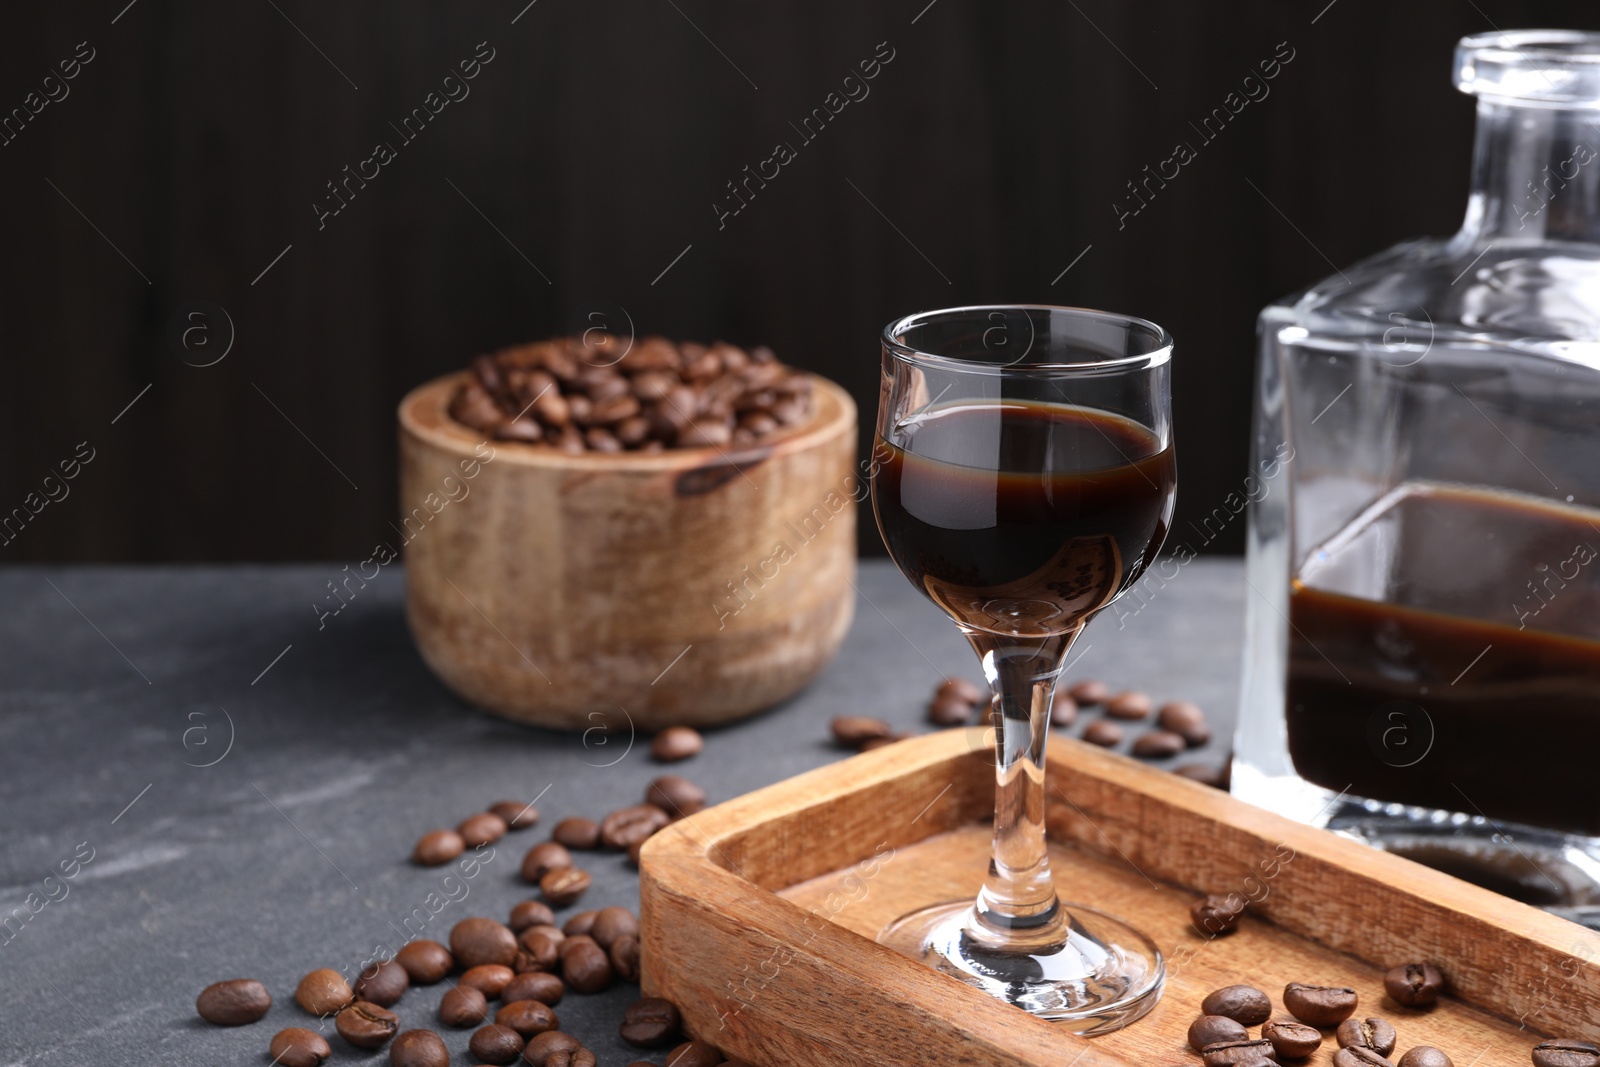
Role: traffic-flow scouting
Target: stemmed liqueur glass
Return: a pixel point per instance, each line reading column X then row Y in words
column 1023, row 479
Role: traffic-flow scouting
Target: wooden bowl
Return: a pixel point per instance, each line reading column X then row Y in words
column 691, row 586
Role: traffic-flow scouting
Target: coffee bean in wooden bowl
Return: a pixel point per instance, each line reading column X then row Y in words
column 662, row 452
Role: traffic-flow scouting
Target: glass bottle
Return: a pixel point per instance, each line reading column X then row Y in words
column 1422, row 661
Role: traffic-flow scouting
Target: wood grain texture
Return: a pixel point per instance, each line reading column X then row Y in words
column 688, row 586
column 765, row 907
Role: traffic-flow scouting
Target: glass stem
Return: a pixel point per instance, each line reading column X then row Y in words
column 1018, row 897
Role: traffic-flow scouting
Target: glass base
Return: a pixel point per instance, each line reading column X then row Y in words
column 1102, row 977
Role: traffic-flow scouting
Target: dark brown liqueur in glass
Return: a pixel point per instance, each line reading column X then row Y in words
column 1023, row 517
column 1481, row 609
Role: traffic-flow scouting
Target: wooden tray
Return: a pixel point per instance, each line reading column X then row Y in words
column 758, row 917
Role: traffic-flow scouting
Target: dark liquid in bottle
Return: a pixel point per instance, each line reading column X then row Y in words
column 1022, row 517
column 1481, row 610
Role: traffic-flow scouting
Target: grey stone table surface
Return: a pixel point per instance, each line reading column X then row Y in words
column 330, row 751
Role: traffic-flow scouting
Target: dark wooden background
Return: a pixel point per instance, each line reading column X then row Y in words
column 587, row 157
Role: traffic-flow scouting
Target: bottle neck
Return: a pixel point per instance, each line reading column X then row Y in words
column 1535, row 175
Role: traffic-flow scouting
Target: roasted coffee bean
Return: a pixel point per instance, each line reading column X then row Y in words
column 624, row 954
column 477, row 941
column 580, row 923
column 1090, row 691
column 1319, row 1005
column 234, row 1002
column 968, row 692
column 383, row 983
column 1241, row 1053
column 426, row 962
column 600, row 439
column 852, row 731
column 527, row 1017
column 1186, row 720
column 543, row 944
column 1374, row 1033
column 463, row 1006
column 1357, row 1056
column 1245, row 1005
column 576, row 832
column 490, row 979
column 1200, row 772
column 651, row 1022
column 705, row 432
column 563, row 887
column 437, row 847
column 1565, row 1052
column 673, row 794
column 585, row 965
column 1216, row 915
column 1213, row 1029
column 637, row 822
column 419, row 1048
column 694, row 1054
column 1063, row 710
column 542, row 986
column 542, row 1046
column 531, row 913
column 484, row 828
column 1129, row 704
column 1425, row 1056
column 496, row 1044
column 544, row 858
column 323, row 992
column 949, row 711
column 1414, row 985
column 1292, row 1041
column 515, row 814
column 676, row 743
column 633, row 852
column 1103, row 732
column 882, row 742
column 578, row 1057
column 612, row 923
column 296, row 1047
column 366, row 1025
column 1158, row 744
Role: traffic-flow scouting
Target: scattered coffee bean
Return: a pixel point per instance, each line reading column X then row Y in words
column 1318, row 1005
column 383, row 983
column 490, row 979
column 515, row 814
column 612, row 923
column 1414, row 985
column 234, row 1002
column 527, row 1017
column 496, row 1044
column 1217, row 914
column 543, row 945
column 949, row 711
column 1130, row 704
column 1103, row 733
column 1063, row 710
column 1245, row 1005
column 1565, row 1052
column 694, row 1054
column 651, row 1022
column 531, row 913
column 675, row 795
column 484, row 828
column 1090, row 691
column 323, row 992
column 475, row 941
column 542, row 1046
column 542, row 986
column 425, row 961
column 965, row 690
column 366, row 1025
column 633, row 853
column 1373, row 1033
column 296, row 1047
column 634, row 823
column 1213, row 1029
column 1292, row 1041
column 1357, row 1056
column 578, row 1057
column 1241, row 1053
column 1158, row 744
column 438, row 847
column 580, row 923
column 585, row 965
column 419, row 1048
column 1425, row 1056
column 624, row 954
column 853, row 731
column 463, row 1006
column 544, row 858
column 562, row 887
column 576, row 832
column 676, row 743
column 1215, row 777
column 1186, row 720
